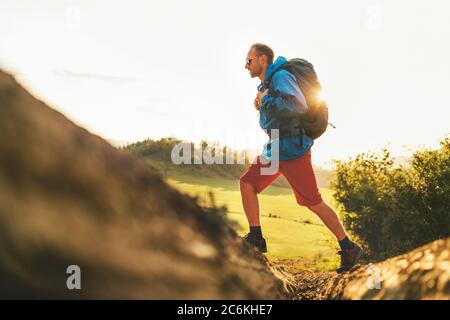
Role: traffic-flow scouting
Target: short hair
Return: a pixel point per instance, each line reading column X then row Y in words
column 263, row 49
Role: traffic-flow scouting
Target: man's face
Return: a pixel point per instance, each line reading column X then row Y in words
column 253, row 64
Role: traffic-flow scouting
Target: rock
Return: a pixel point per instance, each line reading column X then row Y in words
column 423, row 273
column 67, row 197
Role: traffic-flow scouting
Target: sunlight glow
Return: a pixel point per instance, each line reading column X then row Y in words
column 175, row 68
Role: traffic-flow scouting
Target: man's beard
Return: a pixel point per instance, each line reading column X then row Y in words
column 257, row 73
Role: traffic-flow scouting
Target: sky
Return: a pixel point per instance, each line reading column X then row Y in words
column 130, row 70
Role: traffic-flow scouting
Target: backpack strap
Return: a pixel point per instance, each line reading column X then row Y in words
column 266, row 83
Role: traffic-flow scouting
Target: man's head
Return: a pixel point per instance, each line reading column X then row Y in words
column 259, row 57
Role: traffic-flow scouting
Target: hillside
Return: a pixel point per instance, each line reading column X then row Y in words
column 157, row 153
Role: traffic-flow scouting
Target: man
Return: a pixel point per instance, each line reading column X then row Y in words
column 279, row 107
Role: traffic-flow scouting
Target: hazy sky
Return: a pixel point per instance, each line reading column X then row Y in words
column 128, row 70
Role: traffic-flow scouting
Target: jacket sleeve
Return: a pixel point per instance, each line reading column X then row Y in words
column 285, row 99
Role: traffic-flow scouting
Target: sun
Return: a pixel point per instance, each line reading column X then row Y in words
column 321, row 96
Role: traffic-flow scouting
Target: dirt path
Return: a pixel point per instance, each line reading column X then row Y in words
column 308, row 285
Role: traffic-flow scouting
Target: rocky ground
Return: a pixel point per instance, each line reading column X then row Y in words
column 423, row 273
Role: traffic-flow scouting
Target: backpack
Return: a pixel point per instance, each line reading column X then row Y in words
column 315, row 120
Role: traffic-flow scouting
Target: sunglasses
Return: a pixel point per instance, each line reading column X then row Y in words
column 248, row 61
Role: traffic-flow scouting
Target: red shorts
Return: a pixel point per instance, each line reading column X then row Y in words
column 298, row 172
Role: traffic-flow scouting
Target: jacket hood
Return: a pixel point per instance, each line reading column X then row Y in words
column 274, row 66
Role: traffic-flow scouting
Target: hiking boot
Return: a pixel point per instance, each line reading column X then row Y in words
column 349, row 258
column 258, row 243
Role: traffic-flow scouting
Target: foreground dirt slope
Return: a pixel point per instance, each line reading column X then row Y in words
column 67, row 197
column 423, row 273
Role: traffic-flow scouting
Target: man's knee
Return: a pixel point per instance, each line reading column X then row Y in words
column 314, row 206
column 246, row 186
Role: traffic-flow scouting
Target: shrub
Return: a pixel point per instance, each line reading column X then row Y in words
column 395, row 209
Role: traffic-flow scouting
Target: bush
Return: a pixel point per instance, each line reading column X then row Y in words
column 395, row 209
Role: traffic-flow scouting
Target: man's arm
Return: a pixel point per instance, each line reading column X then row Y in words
column 285, row 99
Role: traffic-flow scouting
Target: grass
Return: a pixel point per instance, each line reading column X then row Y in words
column 295, row 236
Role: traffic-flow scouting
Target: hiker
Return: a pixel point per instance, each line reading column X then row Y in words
column 281, row 104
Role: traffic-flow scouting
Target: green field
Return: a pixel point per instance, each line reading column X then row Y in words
column 295, row 236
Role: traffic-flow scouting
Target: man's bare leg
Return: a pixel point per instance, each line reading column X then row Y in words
column 330, row 219
column 350, row 252
column 250, row 202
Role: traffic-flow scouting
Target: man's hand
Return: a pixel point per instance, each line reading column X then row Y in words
column 259, row 97
column 256, row 104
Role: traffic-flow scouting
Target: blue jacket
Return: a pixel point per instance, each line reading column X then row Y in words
column 280, row 109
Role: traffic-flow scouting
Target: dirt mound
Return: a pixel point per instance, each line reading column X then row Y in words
column 423, row 273
column 67, row 197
